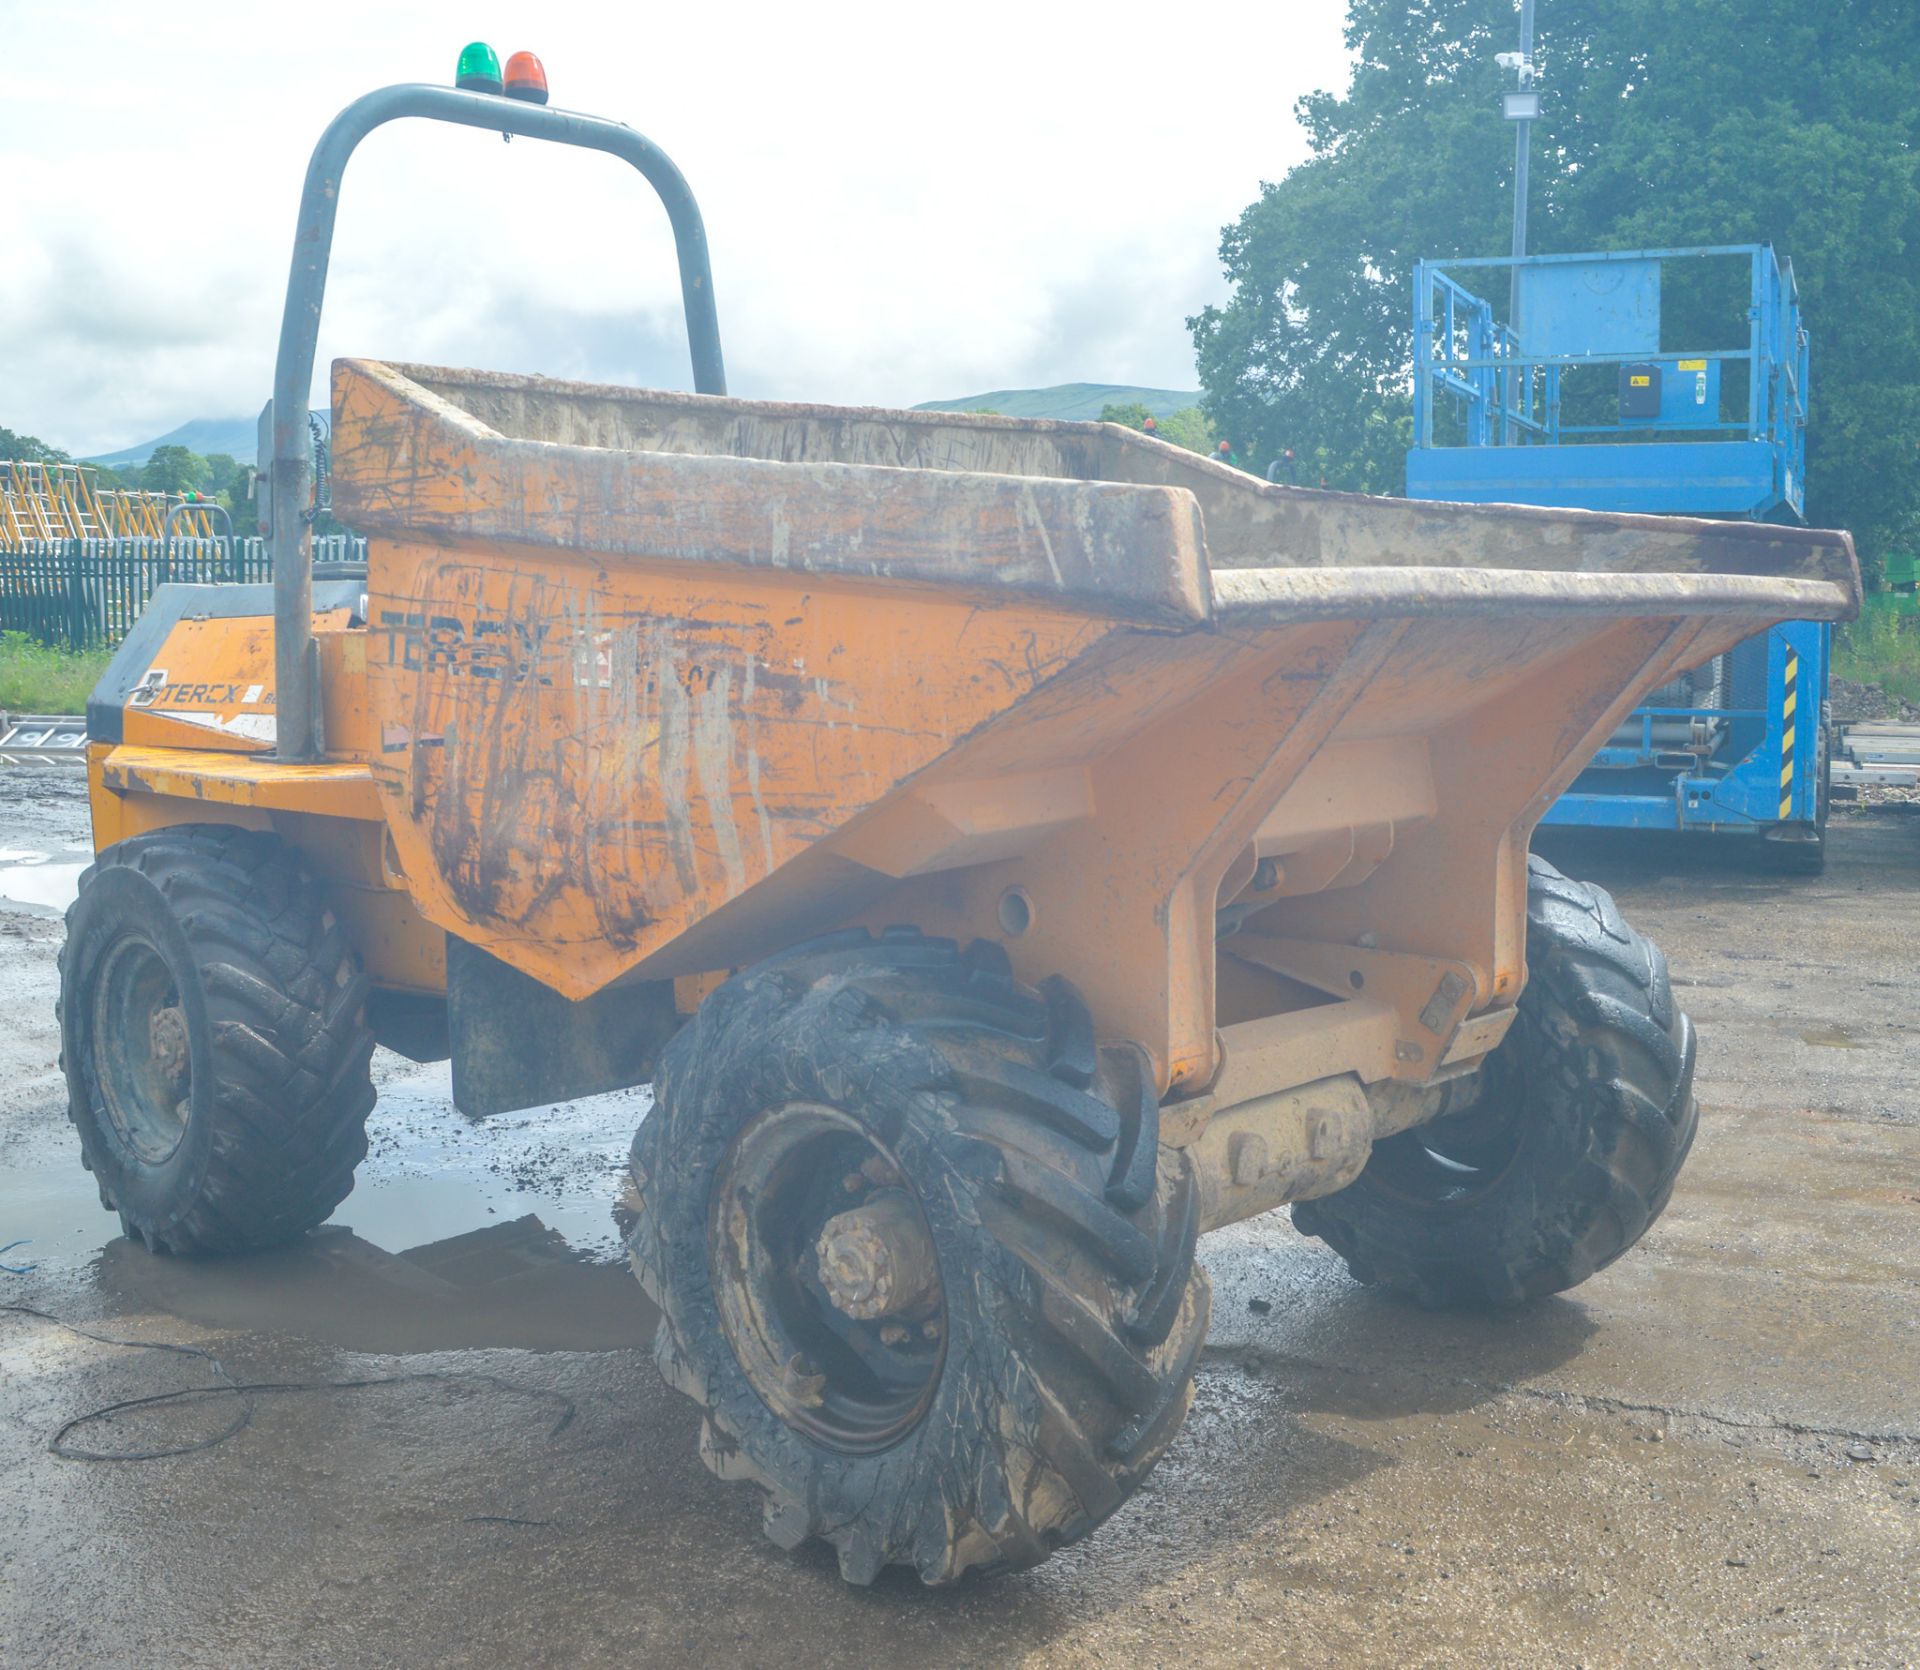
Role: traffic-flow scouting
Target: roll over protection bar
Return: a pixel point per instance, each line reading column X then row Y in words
column 296, row 665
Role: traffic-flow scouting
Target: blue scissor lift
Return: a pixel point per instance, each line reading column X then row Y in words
column 1581, row 399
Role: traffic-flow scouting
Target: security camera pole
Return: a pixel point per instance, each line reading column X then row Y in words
column 1520, row 108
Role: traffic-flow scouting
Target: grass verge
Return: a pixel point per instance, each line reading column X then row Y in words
column 1882, row 647
column 36, row 679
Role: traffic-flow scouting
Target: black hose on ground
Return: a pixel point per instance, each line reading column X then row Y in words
column 229, row 1387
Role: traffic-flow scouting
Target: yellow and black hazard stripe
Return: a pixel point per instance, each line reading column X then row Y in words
column 1789, row 706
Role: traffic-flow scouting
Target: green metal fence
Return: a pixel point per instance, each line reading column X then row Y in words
column 87, row 593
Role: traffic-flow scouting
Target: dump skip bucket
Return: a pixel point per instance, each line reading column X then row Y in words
column 686, row 680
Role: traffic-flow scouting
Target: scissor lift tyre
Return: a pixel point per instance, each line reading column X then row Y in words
column 213, row 1033
column 1570, row 1148
column 1809, row 857
column 918, row 1252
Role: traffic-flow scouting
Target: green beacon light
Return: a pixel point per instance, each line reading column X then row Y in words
column 478, row 70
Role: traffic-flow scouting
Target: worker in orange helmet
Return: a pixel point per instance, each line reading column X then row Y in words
column 1228, row 456
column 1150, row 427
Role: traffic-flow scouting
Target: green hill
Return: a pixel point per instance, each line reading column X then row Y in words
column 1068, row 400
column 237, row 437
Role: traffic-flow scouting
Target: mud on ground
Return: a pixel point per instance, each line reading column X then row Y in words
column 1709, row 1454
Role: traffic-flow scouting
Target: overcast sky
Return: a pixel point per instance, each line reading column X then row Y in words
column 905, row 202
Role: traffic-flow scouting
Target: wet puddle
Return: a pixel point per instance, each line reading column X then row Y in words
column 431, row 1173
column 1830, row 1037
column 457, row 1234
column 514, row 1284
column 44, row 883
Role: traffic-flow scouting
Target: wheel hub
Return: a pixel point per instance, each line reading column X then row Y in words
column 167, row 1040
column 142, row 1061
column 876, row 1261
column 1451, row 1160
column 827, row 1278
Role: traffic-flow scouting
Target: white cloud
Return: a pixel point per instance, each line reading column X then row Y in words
column 903, row 202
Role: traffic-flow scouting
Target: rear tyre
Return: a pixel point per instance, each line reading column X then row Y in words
column 213, row 1033
column 1569, row 1149
column 919, row 1255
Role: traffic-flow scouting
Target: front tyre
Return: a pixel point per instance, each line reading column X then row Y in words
column 1570, row 1145
column 213, row 1033
column 918, row 1253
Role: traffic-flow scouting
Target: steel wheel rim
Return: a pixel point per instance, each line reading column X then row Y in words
column 141, row 1061
column 850, row 1384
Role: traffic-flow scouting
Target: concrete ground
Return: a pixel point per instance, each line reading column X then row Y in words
column 1708, row 1455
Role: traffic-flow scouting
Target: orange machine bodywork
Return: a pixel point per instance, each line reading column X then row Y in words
column 646, row 687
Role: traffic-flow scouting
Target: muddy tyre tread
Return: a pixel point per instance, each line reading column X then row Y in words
column 1098, row 1311
column 285, row 1013
column 1608, row 1120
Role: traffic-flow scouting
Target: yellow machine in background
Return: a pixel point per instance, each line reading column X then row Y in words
column 66, row 501
column 1009, row 848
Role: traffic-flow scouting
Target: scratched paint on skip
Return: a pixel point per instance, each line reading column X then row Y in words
column 594, row 692
column 713, row 758
column 636, row 748
column 749, row 708
column 1088, row 529
column 628, row 735
column 1031, row 515
column 676, row 728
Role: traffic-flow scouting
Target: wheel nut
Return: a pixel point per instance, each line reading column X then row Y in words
column 803, row 1383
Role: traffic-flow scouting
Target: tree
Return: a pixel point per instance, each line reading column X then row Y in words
column 173, row 469
column 241, row 504
column 1665, row 122
column 1187, row 427
column 230, row 481
column 30, row 449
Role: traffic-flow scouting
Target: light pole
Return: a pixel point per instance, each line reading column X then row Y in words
column 1520, row 108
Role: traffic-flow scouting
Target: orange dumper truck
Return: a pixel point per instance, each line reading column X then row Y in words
column 1010, row 849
